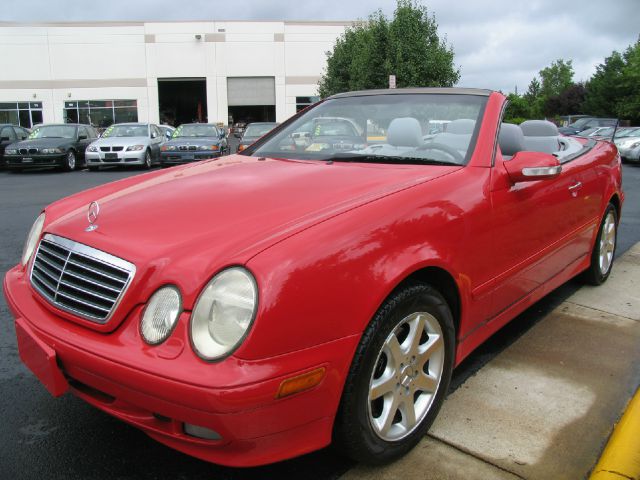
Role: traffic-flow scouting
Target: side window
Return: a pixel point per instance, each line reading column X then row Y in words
column 83, row 131
column 92, row 132
column 21, row 132
column 8, row 133
column 156, row 130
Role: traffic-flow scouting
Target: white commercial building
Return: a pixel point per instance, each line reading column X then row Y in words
column 161, row 72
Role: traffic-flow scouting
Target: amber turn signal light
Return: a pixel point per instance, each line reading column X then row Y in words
column 301, row 382
column 241, row 147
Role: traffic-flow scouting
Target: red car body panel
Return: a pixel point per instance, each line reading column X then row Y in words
column 327, row 243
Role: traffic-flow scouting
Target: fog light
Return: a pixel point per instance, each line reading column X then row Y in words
column 201, row 432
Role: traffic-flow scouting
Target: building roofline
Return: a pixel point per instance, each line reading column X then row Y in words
column 140, row 23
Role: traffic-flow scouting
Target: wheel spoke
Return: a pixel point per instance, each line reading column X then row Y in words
column 426, row 383
column 388, row 414
column 432, row 346
column 415, row 334
column 408, row 410
column 383, row 385
column 393, row 351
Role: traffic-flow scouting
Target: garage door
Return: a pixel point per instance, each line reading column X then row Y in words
column 251, row 91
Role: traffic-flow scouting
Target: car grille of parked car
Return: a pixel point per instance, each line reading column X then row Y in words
column 111, row 149
column 80, row 279
column 24, row 151
column 186, row 147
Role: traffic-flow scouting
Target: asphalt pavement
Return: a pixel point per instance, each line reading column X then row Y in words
column 43, row 437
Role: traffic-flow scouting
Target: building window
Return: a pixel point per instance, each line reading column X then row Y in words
column 25, row 114
column 101, row 113
column 304, row 102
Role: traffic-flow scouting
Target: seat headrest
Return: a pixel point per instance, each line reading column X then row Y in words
column 405, row 132
column 461, row 126
column 539, row 128
column 510, row 139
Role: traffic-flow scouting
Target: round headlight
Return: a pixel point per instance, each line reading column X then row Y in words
column 32, row 239
column 160, row 315
column 223, row 313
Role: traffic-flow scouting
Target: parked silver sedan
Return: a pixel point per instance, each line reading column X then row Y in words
column 126, row 144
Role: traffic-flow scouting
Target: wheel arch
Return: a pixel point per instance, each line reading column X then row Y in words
column 615, row 201
column 443, row 282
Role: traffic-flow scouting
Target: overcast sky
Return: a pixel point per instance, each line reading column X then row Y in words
column 498, row 43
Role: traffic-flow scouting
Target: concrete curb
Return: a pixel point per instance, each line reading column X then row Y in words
column 621, row 456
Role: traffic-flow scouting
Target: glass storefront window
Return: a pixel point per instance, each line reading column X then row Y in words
column 304, row 102
column 101, row 113
column 24, row 114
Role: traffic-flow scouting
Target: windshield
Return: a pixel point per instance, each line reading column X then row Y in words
column 397, row 128
column 581, row 122
column 125, row 130
column 201, row 130
column 630, row 132
column 54, row 131
column 258, row 130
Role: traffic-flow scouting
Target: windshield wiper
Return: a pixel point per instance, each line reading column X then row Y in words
column 350, row 157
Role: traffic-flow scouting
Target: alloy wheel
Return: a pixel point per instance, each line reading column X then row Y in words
column 607, row 243
column 406, row 376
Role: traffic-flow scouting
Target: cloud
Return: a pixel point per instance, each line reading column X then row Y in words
column 499, row 44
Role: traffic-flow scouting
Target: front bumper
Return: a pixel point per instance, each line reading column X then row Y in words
column 235, row 398
column 123, row 157
column 631, row 154
column 34, row 161
column 177, row 157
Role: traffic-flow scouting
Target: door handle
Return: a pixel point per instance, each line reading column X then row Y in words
column 574, row 188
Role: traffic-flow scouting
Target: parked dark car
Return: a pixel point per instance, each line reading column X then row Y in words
column 584, row 123
column 51, row 145
column 192, row 142
column 10, row 134
column 253, row 132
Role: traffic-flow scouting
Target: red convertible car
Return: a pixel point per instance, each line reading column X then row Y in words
column 318, row 287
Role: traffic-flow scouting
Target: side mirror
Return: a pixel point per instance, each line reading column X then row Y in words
column 532, row 166
column 82, row 137
column 168, row 135
column 153, row 135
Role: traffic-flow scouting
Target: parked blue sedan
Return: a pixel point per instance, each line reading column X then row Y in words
column 193, row 142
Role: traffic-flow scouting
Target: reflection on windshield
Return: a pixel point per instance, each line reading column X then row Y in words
column 195, row 131
column 124, row 130
column 54, row 131
column 405, row 128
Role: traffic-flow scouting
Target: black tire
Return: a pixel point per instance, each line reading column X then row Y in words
column 70, row 161
column 595, row 275
column 147, row 160
column 354, row 434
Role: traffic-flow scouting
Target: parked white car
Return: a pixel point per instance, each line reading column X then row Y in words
column 126, row 144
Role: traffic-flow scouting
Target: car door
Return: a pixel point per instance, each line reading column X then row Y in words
column 539, row 229
column 156, row 141
column 84, row 139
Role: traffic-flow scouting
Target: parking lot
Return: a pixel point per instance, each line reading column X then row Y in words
column 66, row 438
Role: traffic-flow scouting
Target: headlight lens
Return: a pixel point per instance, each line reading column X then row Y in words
column 52, row 150
column 11, row 151
column 223, row 313
column 637, row 144
column 32, row 239
column 160, row 315
column 92, row 148
column 169, row 148
column 135, row 148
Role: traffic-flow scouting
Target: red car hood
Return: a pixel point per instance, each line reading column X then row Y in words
column 219, row 212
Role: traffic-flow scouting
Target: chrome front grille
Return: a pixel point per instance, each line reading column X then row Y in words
column 25, row 151
column 80, row 279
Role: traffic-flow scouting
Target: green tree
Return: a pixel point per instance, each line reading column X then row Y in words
column 517, row 110
column 407, row 46
column 628, row 105
column 604, row 87
column 534, row 99
column 556, row 78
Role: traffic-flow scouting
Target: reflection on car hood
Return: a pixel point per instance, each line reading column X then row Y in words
column 193, row 141
column 124, row 141
column 224, row 210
